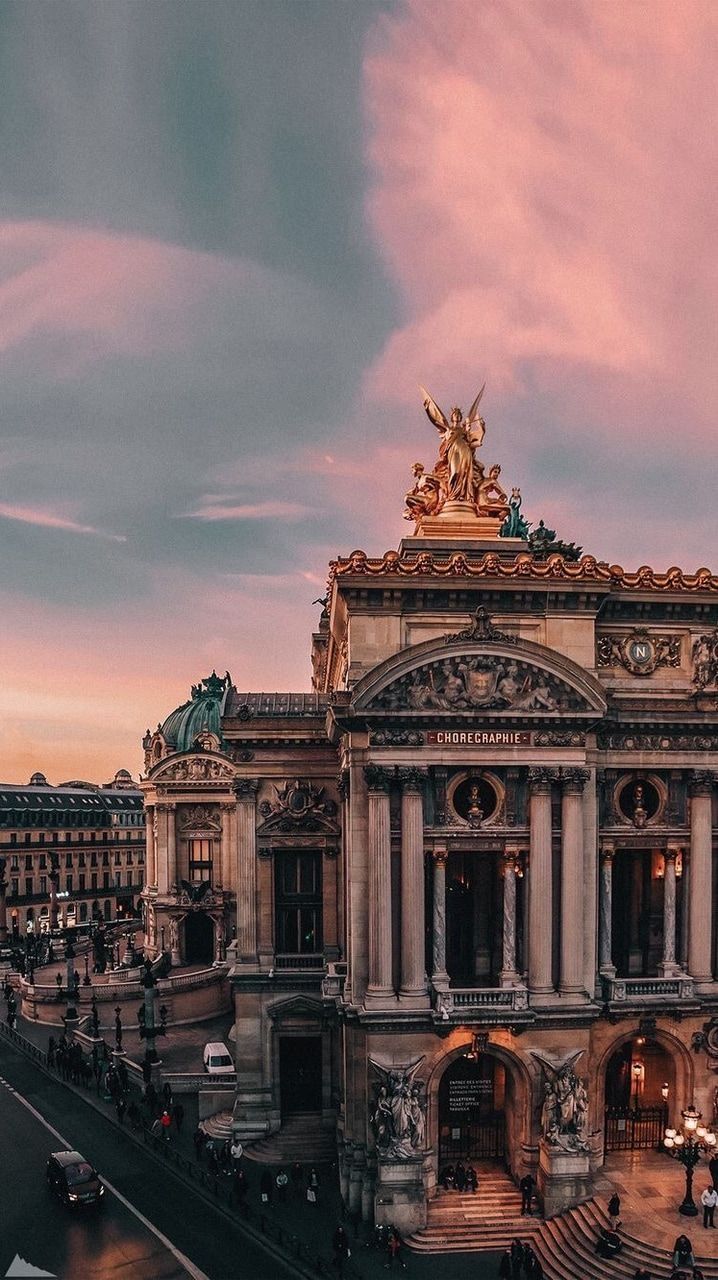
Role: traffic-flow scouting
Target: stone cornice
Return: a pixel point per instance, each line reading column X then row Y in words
column 555, row 568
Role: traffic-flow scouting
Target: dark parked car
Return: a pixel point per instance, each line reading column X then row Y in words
column 72, row 1179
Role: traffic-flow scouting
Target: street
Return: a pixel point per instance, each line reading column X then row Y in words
column 149, row 1227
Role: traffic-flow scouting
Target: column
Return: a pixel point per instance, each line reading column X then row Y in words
column 439, row 977
column 540, row 887
column 222, row 876
column 3, row 903
column 380, row 989
column 150, row 847
column 509, row 973
column 245, row 790
column 573, row 782
column 669, row 967
column 414, row 990
column 700, row 877
column 161, row 848
column 605, row 919
column 590, row 885
column 172, row 879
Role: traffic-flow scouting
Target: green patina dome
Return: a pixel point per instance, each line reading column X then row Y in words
column 203, row 713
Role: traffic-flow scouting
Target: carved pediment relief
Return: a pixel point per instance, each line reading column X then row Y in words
column 199, row 817
column 298, row 806
column 193, row 769
column 479, row 681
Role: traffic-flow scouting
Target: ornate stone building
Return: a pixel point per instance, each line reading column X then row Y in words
column 469, row 882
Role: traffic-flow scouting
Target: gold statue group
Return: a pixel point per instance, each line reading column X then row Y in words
column 457, row 476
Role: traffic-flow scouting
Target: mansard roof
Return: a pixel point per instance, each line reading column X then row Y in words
column 249, row 705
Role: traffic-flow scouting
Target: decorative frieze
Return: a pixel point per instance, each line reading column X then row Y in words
column 397, row 738
column 641, row 652
column 626, row 740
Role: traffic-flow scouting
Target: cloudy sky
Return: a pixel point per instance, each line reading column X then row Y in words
column 234, row 237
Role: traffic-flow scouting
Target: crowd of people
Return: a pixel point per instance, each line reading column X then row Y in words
column 459, row 1177
column 519, row 1262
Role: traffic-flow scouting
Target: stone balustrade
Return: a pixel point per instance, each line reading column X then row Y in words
column 638, row 990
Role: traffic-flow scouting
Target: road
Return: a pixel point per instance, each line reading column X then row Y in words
column 150, row 1226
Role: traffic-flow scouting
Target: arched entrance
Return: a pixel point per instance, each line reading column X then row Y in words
column 472, row 1117
column 640, row 1083
column 198, row 938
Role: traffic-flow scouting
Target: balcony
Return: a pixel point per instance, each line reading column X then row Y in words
column 645, row 990
column 474, row 1002
column 312, row 962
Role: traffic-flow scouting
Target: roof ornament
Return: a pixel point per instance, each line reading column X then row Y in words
column 212, row 686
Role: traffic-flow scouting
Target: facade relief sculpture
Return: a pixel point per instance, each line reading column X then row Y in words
column 196, row 769
column 564, row 1109
column 398, row 1115
column 704, row 655
column 640, row 652
column 298, row 806
column 200, row 817
column 468, row 682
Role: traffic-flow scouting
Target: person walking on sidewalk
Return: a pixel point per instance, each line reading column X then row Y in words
column 297, row 1178
column 709, row 1200
column 340, row 1245
column 614, row 1211
column 526, row 1187
column 282, row 1182
column 236, row 1151
column 394, row 1250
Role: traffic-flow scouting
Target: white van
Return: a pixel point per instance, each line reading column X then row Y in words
column 217, row 1059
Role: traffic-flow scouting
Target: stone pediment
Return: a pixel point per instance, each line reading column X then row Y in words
column 502, row 675
column 195, row 767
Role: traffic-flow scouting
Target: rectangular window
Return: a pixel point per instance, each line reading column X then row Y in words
column 28, row 862
column 14, row 863
column 105, row 859
column 43, row 884
column 68, row 883
column 200, row 860
column 28, row 886
column 93, row 859
column 105, row 879
column 14, row 888
column 42, row 861
column 81, row 879
column 81, row 860
column 118, row 858
column 68, row 861
column 93, row 880
column 129, row 857
column 128, row 879
column 118, row 879
column 299, row 901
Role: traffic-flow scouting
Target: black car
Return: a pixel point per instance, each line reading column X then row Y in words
column 72, row 1179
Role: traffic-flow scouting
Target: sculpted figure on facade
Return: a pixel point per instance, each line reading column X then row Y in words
column 705, row 661
column 564, row 1108
column 398, row 1116
column 465, row 682
column 425, row 498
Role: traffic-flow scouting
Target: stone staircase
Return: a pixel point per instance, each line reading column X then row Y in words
column 301, row 1137
column 218, row 1126
column 488, row 1218
column 491, row 1218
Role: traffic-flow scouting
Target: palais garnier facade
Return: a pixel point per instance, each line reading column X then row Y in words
column 475, row 860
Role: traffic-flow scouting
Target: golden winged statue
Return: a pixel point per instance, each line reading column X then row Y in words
column 461, row 436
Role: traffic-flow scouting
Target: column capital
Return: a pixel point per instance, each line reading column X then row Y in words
column 226, row 806
column 607, row 851
column 573, row 780
column 412, row 779
column 440, row 856
column 377, row 777
column 671, row 852
column 510, row 856
column 246, row 789
column 541, row 779
column 701, row 782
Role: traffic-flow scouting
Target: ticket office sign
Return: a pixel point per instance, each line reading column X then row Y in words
column 478, row 738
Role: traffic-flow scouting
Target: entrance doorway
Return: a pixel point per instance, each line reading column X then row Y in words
column 474, row 919
column 198, row 938
column 472, row 1119
column 639, row 1084
column 300, row 1074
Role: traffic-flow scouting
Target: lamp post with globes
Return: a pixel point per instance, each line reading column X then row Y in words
column 688, row 1147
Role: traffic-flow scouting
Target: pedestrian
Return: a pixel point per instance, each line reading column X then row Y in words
column 199, row 1137
column 123, row 1076
column 166, row 1121
column 311, row 1194
column 151, row 1097
column 51, row 1052
column 517, row 1259
column 446, row 1177
column 265, row 1187
column 609, row 1243
column 178, row 1115
column 394, row 1247
column 641, row 1274
column 167, row 1094
column 683, row 1252
column 340, row 1245
column 505, row 1268
column 236, row 1151
column 120, row 1108
column 526, row 1187
column 282, row 1181
column 460, row 1176
column 709, row 1200
column 133, row 1113
column 614, row 1211
column 214, row 1166
column 241, row 1185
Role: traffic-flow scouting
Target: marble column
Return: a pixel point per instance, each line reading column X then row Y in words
column 571, row 985
column 605, row 908
column 150, row 876
column 222, row 875
column 509, row 976
column 669, row 966
column 380, row 989
column 700, row 878
column 541, row 986
column 172, row 878
column 161, row 847
column 245, row 790
column 439, row 977
column 414, row 990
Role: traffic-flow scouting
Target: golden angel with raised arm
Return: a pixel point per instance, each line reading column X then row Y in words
column 460, row 438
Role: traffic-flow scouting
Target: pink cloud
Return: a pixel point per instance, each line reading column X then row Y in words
column 51, row 520
column 543, row 182
column 218, row 508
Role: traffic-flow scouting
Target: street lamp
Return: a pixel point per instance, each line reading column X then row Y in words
column 687, row 1148
column 637, row 1074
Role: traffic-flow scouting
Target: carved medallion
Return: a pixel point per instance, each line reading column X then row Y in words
column 641, row 652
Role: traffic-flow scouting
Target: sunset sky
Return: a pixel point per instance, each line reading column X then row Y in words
column 234, row 237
